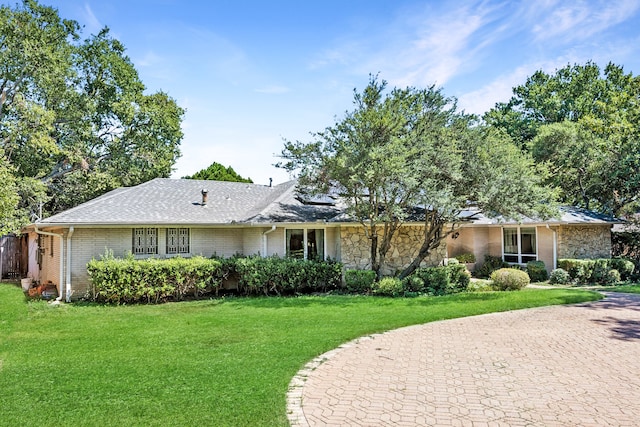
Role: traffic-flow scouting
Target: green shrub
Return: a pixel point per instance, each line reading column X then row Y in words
column 537, row 271
column 286, row 276
column 509, row 279
column 559, row 276
column 157, row 280
column 613, row 277
column 491, row 264
column 414, row 283
column 388, row 286
column 466, row 258
column 123, row 281
column 596, row 271
column 449, row 279
column 359, row 280
column 624, row 266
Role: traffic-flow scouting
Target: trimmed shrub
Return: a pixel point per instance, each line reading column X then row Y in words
column 613, row 277
column 624, row 266
column 559, row 276
column 359, row 280
column 388, row 286
column 596, row 271
column 286, row 276
column 509, row 279
column 537, row 271
column 466, row 258
column 491, row 264
column 449, row 279
column 124, row 281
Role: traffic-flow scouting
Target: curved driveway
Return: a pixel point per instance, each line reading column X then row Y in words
column 551, row 366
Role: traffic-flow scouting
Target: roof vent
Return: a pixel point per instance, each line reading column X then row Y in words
column 205, row 196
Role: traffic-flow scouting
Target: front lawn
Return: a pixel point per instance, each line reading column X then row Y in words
column 629, row 289
column 216, row 362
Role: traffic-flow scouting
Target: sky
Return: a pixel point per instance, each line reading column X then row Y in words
column 252, row 74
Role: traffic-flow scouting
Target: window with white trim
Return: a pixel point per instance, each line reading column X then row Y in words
column 519, row 244
column 145, row 241
column 177, row 241
column 305, row 243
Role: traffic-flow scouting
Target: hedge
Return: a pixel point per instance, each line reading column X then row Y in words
column 124, row 281
column 128, row 280
column 286, row 276
column 596, row 271
column 509, row 279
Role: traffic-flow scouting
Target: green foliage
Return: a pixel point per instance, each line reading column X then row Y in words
column 612, row 277
column 491, row 264
column 597, row 271
column 152, row 280
column 584, row 123
column 217, row 172
column 537, row 271
column 509, row 279
column 559, row 276
column 467, row 257
column 359, row 281
column 388, row 286
column 125, row 281
column 75, row 121
column 443, row 280
column 624, row 266
column 286, row 276
column 404, row 148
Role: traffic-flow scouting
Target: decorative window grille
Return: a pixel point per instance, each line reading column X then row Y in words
column 177, row 241
column 145, row 241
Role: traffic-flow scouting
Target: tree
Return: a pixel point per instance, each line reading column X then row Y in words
column 585, row 123
column 410, row 155
column 218, row 172
column 74, row 117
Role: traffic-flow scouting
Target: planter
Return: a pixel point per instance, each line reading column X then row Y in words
column 26, row 284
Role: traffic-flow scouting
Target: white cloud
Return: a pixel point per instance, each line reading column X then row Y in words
column 89, row 18
column 580, row 20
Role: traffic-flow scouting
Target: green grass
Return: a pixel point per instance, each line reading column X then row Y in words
column 215, row 362
column 629, row 289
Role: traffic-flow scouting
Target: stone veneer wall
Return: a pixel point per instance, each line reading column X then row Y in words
column 356, row 249
column 584, row 241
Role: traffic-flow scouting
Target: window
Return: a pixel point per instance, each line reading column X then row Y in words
column 519, row 245
column 145, row 241
column 177, row 241
column 305, row 244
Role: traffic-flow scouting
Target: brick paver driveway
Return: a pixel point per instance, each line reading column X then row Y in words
column 551, row 366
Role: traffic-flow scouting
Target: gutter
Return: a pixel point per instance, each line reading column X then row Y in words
column 264, row 240
column 68, row 282
column 61, row 278
column 555, row 247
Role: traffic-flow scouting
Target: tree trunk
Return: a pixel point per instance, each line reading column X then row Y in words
column 424, row 251
column 375, row 264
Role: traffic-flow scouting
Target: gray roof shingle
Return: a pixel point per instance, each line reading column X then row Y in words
column 179, row 201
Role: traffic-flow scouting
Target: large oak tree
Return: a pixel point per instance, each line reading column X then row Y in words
column 75, row 120
column 584, row 123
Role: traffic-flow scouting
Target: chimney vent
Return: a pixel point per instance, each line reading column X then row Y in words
column 205, row 196
column 270, row 181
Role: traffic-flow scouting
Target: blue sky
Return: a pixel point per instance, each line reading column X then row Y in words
column 250, row 73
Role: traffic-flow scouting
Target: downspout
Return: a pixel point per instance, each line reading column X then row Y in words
column 61, row 278
column 68, row 284
column 264, row 240
column 555, row 247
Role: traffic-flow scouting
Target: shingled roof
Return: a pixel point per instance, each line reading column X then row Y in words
column 179, row 201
